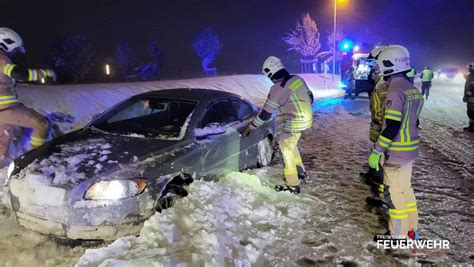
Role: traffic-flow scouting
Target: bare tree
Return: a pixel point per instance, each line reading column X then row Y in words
column 330, row 43
column 73, row 57
column 207, row 46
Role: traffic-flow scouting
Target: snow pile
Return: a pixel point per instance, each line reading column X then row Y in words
column 237, row 221
column 73, row 106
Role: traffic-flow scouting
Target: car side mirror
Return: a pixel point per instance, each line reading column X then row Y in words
column 213, row 128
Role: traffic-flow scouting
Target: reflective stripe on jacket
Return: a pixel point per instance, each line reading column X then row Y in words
column 426, row 75
column 7, row 93
column 293, row 102
column 411, row 73
column 404, row 104
column 377, row 108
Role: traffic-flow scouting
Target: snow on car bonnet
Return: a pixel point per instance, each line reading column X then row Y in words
column 63, row 167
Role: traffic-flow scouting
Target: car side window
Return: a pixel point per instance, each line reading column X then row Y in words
column 244, row 109
column 222, row 112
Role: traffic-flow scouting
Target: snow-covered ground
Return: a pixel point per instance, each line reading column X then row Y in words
column 242, row 221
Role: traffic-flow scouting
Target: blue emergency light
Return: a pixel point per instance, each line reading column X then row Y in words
column 346, row 45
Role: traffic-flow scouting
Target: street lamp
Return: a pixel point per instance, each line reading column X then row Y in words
column 334, row 35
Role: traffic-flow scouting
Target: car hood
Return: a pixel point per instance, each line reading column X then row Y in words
column 88, row 153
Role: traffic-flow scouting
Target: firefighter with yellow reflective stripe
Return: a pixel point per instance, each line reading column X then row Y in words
column 398, row 144
column 12, row 112
column 292, row 98
column 426, row 77
column 377, row 102
column 411, row 75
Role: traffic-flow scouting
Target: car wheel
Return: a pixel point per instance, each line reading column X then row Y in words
column 265, row 152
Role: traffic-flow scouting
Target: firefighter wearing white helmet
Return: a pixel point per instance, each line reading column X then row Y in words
column 292, row 98
column 398, row 144
column 12, row 112
column 377, row 108
column 469, row 97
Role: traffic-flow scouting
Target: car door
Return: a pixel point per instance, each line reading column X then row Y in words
column 217, row 134
column 248, row 144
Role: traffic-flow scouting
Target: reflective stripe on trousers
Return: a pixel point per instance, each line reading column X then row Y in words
column 399, row 195
column 288, row 143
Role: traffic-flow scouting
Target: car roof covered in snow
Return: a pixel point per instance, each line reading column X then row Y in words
column 196, row 94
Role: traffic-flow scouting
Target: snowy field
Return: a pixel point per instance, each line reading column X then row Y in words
column 242, row 221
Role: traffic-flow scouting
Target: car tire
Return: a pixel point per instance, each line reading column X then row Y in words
column 265, row 152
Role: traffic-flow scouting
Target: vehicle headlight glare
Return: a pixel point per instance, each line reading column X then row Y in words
column 115, row 189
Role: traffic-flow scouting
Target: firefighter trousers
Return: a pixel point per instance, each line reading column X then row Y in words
column 288, row 143
column 470, row 114
column 19, row 115
column 425, row 89
column 399, row 196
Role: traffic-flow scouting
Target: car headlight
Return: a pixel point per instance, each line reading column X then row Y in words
column 115, row 189
column 10, row 169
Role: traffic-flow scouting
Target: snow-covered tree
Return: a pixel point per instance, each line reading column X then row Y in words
column 330, row 43
column 72, row 57
column 207, row 46
column 124, row 59
column 304, row 39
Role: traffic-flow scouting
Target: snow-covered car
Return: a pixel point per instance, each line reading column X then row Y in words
column 105, row 180
column 450, row 73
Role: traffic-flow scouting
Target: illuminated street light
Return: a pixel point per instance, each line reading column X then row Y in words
column 341, row 2
column 356, row 48
column 107, row 69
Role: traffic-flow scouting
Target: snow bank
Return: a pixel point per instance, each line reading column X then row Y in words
column 73, row 106
column 238, row 221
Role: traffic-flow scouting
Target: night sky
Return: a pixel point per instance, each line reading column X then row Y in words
column 437, row 32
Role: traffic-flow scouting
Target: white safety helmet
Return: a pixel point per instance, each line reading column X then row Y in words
column 393, row 59
column 376, row 51
column 10, row 40
column 271, row 66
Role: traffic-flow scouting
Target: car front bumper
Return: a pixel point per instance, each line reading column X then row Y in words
column 48, row 210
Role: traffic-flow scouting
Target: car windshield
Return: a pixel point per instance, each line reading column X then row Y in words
column 157, row 117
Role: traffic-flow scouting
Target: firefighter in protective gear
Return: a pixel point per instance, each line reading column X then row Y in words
column 398, row 144
column 411, row 75
column 469, row 97
column 292, row 98
column 12, row 112
column 377, row 109
column 377, row 101
column 426, row 77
